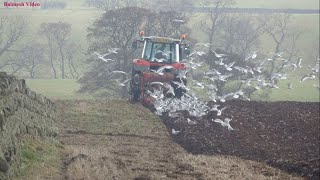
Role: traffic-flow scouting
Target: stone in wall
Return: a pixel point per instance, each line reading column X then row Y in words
column 22, row 112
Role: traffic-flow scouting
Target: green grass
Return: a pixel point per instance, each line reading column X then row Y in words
column 80, row 20
column 304, row 91
column 67, row 89
column 57, row 88
column 293, row 4
column 39, row 159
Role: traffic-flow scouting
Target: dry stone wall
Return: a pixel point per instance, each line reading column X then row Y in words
column 22, row 113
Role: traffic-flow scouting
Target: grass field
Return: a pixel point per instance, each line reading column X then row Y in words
column 67, row 89
column 304, row 91
column 293, row 4
column 57, row 88
column 40, row 159
column 80, row 20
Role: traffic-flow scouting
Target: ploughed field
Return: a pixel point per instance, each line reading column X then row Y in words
column 285, row 135
column 118, row 140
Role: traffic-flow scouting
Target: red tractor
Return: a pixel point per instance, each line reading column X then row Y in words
column 159, row 64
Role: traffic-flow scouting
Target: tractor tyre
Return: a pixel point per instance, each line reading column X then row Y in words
column 179, row 92
column 135, row 87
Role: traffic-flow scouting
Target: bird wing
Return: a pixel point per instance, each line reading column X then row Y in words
column 218, row 121
column 98, row 54
column 304, row 78
column 122, row 72
column 160, row 83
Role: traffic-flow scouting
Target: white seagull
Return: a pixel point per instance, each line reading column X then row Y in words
column 218, row 55
column 113, row 50
column 308, row 76
column 219, row 112
column 178, row 20
column 228, row 67
column 123, row 83
column 175, row 132
column 203, row 44
column 225, row 123
column 120, row 72
column 191, row 122
column 102, row 57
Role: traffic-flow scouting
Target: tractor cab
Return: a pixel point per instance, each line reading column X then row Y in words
column 156, row 53
column 162, row 49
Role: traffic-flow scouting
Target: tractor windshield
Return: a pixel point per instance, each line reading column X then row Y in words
column 160, row 52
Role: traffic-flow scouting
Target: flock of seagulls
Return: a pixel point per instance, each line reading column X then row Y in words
column 255, row 78
column 122, row 82
column 224, row 71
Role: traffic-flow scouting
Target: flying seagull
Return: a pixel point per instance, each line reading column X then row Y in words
column 120, row 72
column 178, row 20
column 102, row 57
column 225, row 123
column 308, row 76
column 218, row 55
column 123, row 83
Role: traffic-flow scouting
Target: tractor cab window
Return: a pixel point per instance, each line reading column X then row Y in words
column 160, row 52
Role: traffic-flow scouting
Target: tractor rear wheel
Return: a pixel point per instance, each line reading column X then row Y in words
column 179, row 92
column 135, row 87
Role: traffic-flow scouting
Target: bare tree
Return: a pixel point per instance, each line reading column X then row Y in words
column 241, row 33
column 45, row 29
column 61, row 32
column 31, row 57
column 285, row 41
column 72, row 50
column 115, row 29
column 277, row 28
column 11, row 31
column 170, row 24
column 217, row 12
column 107, row 5
column 56, row 35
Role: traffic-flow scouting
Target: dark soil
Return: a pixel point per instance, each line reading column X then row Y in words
column 283, row 134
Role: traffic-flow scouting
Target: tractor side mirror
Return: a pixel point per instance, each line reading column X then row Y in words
column 134, row 44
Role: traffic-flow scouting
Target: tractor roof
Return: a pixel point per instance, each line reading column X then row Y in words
column 162, row 39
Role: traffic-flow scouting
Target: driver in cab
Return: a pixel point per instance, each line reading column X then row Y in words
column 160, row 54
